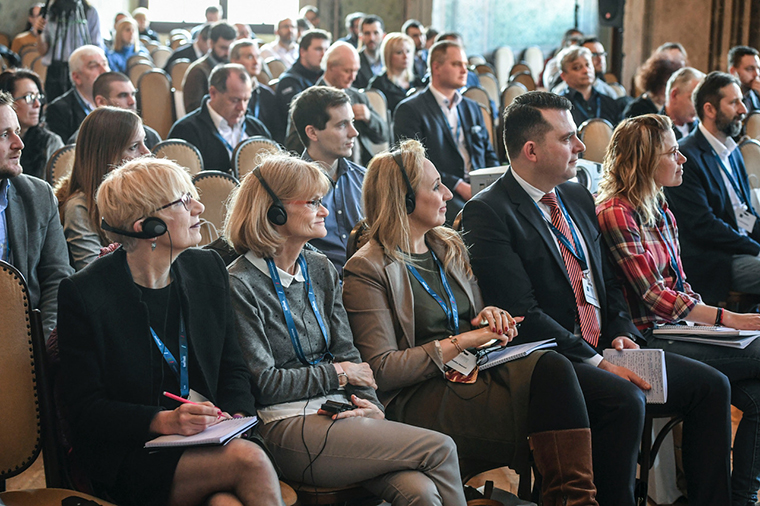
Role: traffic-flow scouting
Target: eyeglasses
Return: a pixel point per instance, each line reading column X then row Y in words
column 675, row 153
column 313, row 204
column 184, row 200
column 29, row 98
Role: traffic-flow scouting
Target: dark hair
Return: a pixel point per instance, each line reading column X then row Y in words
column 204, row 32
column 411, row 23
column 314, row 33
column 303, row 24
column 710, row 91
column 524, row 122
column 102, row 85
column 592, row 39
column 654, row 73
column 431, row 33
column 9, row 78
column 220, row 74
column 212, row 9
column 311, row 107
column 448, row 36
column 438, row 52
column 736, row 53
column 368, row 20
column 65, row 9
column 350, row 18
column 222, row 30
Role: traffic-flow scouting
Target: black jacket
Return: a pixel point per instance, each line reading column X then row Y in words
column 65, row 114
column 365, row 72
column 394, row 93
column 296, row 79
column 185, row 51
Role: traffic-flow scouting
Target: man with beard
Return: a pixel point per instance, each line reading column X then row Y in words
column 719, row 228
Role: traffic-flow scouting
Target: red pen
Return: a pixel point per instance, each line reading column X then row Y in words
column 185, row 401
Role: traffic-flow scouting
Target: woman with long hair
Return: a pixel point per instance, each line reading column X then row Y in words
column 397, row 78
column 126, row 43
column 414, row 306
column 642, row 236
column 107, row 137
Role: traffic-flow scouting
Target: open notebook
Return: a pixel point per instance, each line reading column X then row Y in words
column 218, row 434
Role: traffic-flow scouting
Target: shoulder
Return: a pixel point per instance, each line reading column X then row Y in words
column 320, row 267
column 201, row 266
column 369, row 261
column 411, row 103
column 190, row 122
column 75, row 203
column 356, row 167
column 61, row 103
column 29, row 186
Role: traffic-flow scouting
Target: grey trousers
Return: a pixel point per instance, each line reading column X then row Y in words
column 745, row 274
column 402, row 464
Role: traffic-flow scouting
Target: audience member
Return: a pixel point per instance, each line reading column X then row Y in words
column 108, row 137
column 416, row 31
column 31, row 238
column 195, row 83
column 430, row 35
column 679, row 106
column 39, row 142
column 311, row 14
column 673, row 51
column 552, row 69
column 112, row 32
column 198, row 48
column 29, row 36
column 537, row 252
column 113, row 374
column 222, row 121
column 66, row 113
column 719, row 227
column 599, row 60
column 744, row 64
column 642, row 237
column 652, row 77
column 262, row 104
column 450, row 126
column 303, row 25
column 472, row 77
column 244, row 31
column 534, row 402
column 353, row 27
column 323, row 118
column 126, row 44
column 143, row 23
column 398, row 77
column 212, row 15
column 578, row 73
column 285, row 46
column 373, row 31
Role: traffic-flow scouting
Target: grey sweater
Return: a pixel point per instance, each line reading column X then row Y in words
column 277, row 374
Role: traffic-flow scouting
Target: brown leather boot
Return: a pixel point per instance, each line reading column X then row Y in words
column 563, row 457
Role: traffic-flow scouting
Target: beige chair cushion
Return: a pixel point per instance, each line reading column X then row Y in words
column 214, row 189
column 595, row 134
column 248, row 153
column 60, row 164
column 155, row 101
column 182, row 152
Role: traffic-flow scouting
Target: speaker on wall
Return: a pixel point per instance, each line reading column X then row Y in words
column 611, row 13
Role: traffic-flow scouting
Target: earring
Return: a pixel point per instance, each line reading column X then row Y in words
column 153, row 246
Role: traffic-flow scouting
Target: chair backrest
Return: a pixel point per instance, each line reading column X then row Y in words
column 484, row 68
column 60, row 164
column 479, row 95
column 160, row 56
column 504, row 60
column 275, row 66
column 177, row 41
column 265, row 75
column 518, row 68
column 214, row 189
column 181, row 31
column 138, row 58
column 595, row 134
column 177, row 71
column 751, row 152
column 357, row 238
column 489, row 83
column 510, row 92
column 619, row 88
column 380, row 104
column 5, row 39
column 534, row 58
column 40, row 68
column 155, row 101
column 150, row 45
column 476, row 59
column 182, row 152
column 752, row 125
column 28, row 57
column 525, row 78
column 610, row 78
column 137, row 70
column 273, row 83
column 246, row 154
column 488, row 120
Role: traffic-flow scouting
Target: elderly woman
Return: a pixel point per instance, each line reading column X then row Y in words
column 397, row 55
column 155, row 316
column 414, row 306
column 108, row 137
column 298, row 346
column 641, row 233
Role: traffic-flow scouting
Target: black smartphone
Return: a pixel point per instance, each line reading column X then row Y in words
column 335, row 407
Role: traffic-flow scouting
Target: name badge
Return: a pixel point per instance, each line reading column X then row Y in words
column 588, row 289
column 745, row 219
column 463, row 363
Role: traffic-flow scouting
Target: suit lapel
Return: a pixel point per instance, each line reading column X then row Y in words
column 434, row 111
column 710, row 160
column 402, row 298
column 15, row 219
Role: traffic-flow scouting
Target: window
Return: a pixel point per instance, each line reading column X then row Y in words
column 238, row 11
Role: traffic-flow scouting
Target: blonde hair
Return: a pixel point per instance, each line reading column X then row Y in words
column 118, row 43
column 631, row 162
column 247, row 227
column 137, row 189
column 384, row 192
column 391, row 43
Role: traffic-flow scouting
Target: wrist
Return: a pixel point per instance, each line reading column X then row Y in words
column 342, row 376
column 719, row 316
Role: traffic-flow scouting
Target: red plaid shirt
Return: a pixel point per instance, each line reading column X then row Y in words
column 643, row 263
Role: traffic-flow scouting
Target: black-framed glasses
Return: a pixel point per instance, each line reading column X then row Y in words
column 313, row 204
column 675, row 153
column 184, row 200
column 30, row 98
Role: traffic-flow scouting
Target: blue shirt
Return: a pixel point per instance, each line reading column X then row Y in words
column 4, row 241
column 344, row 201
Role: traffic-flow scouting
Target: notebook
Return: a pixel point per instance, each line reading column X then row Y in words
column 649, row 364
column 716, row 336
column 217, row 434
column 493, row 357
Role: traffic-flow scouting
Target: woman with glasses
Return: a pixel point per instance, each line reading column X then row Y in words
column 155, row 316
column 296, row 341
column 397, row 78
column 642, row 236
column 28, row 101
column 108, row 136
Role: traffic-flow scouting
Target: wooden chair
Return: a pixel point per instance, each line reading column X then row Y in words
column 510, row 92
column 476, row 59
column 648, row 453
column 484, row 68
column 155, row 101
column 610, row 78
column 380, row 104
column 273, row 84
column 248, row 153
column 595, row 134
column 182, row 152
column 214, row 188
column 138, row 58
column 150, row 44
column 752, row 125
column 357, row 238
column 525, row 78
column 750, row 149
column 534, row 58
column 137, row 70
column 176, row 42
column 489, row 83
column 26, row 414
column 264, row 76
column 518, row 68
column 160, row 56
column 177, row 72
column 181, row 31
column 275, row 66
column 40, row 68
column 29, row 57
column 504, row 60
column 60, row 164
column 619, row 88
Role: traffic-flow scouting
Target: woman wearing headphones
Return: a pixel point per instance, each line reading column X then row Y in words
column 298, row 346
column 154, row 316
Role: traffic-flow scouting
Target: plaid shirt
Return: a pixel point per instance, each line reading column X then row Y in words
column 643, row 263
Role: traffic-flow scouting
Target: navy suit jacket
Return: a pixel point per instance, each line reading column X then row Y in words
column 519, row 268
column 420, row 117
column 707, row 226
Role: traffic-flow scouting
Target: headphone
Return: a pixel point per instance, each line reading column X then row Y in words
column 276, row 212
column 152, row 227
column 409, row 199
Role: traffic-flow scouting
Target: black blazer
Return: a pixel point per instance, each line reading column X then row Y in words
column 707, row 226
column 198, row 129
column 107, row 354
column 296, row 79
column 365, row 72
column 420, row 117
column 185, row 51
column 263, row 99
column 394, row 93
column 519, row 268
column 65, row 114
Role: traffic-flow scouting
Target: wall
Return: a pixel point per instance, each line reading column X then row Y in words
column 13, row 14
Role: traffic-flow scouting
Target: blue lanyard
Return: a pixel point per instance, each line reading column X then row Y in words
column 289, row 316
column 575, row 249
column 452, row 316
column 224, row 141
column 180, row 370
column 731, row 179
column 257, row 102
column 670, row 243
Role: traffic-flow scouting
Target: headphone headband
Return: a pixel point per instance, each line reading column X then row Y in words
column 410, row 200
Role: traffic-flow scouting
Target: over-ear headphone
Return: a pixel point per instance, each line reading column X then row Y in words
column 409, row 199
column 276, row 212
column 152, row 227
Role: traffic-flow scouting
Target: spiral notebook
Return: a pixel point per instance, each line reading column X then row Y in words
column 488, row 359
column 218, row 434
column 649, row 364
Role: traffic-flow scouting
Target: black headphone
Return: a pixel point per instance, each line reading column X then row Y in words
column 152, row 227
column 409, row 199
column 276, row 212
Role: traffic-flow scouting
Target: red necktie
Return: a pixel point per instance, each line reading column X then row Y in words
column 587, row 320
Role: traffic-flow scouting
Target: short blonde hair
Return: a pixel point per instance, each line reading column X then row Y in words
column 247, row 227
column 136, row 189
column 391, row 42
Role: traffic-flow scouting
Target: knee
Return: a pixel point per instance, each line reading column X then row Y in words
column 415, row 488
column 249, row 458
column 443, row 450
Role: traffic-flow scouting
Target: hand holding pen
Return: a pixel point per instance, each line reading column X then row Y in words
column 188, row 419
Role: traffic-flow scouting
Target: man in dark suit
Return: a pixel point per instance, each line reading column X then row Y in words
column 450, row 126
column 679, row 106
column 744, row 64
column 31, row 236
column 372, row 34
column 66, row 113
column 193, row 51
column 195, row 84
column 718, row 226
column 537, row 252
column 222, row 121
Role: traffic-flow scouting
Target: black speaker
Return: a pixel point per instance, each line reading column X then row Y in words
column 611, row 12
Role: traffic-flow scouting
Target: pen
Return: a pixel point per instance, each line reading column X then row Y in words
column 185, row 401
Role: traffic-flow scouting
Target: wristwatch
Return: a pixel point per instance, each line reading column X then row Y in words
column 342, row 376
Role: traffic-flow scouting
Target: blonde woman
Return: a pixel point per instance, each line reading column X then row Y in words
column 126, row 43
column 397, row 78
